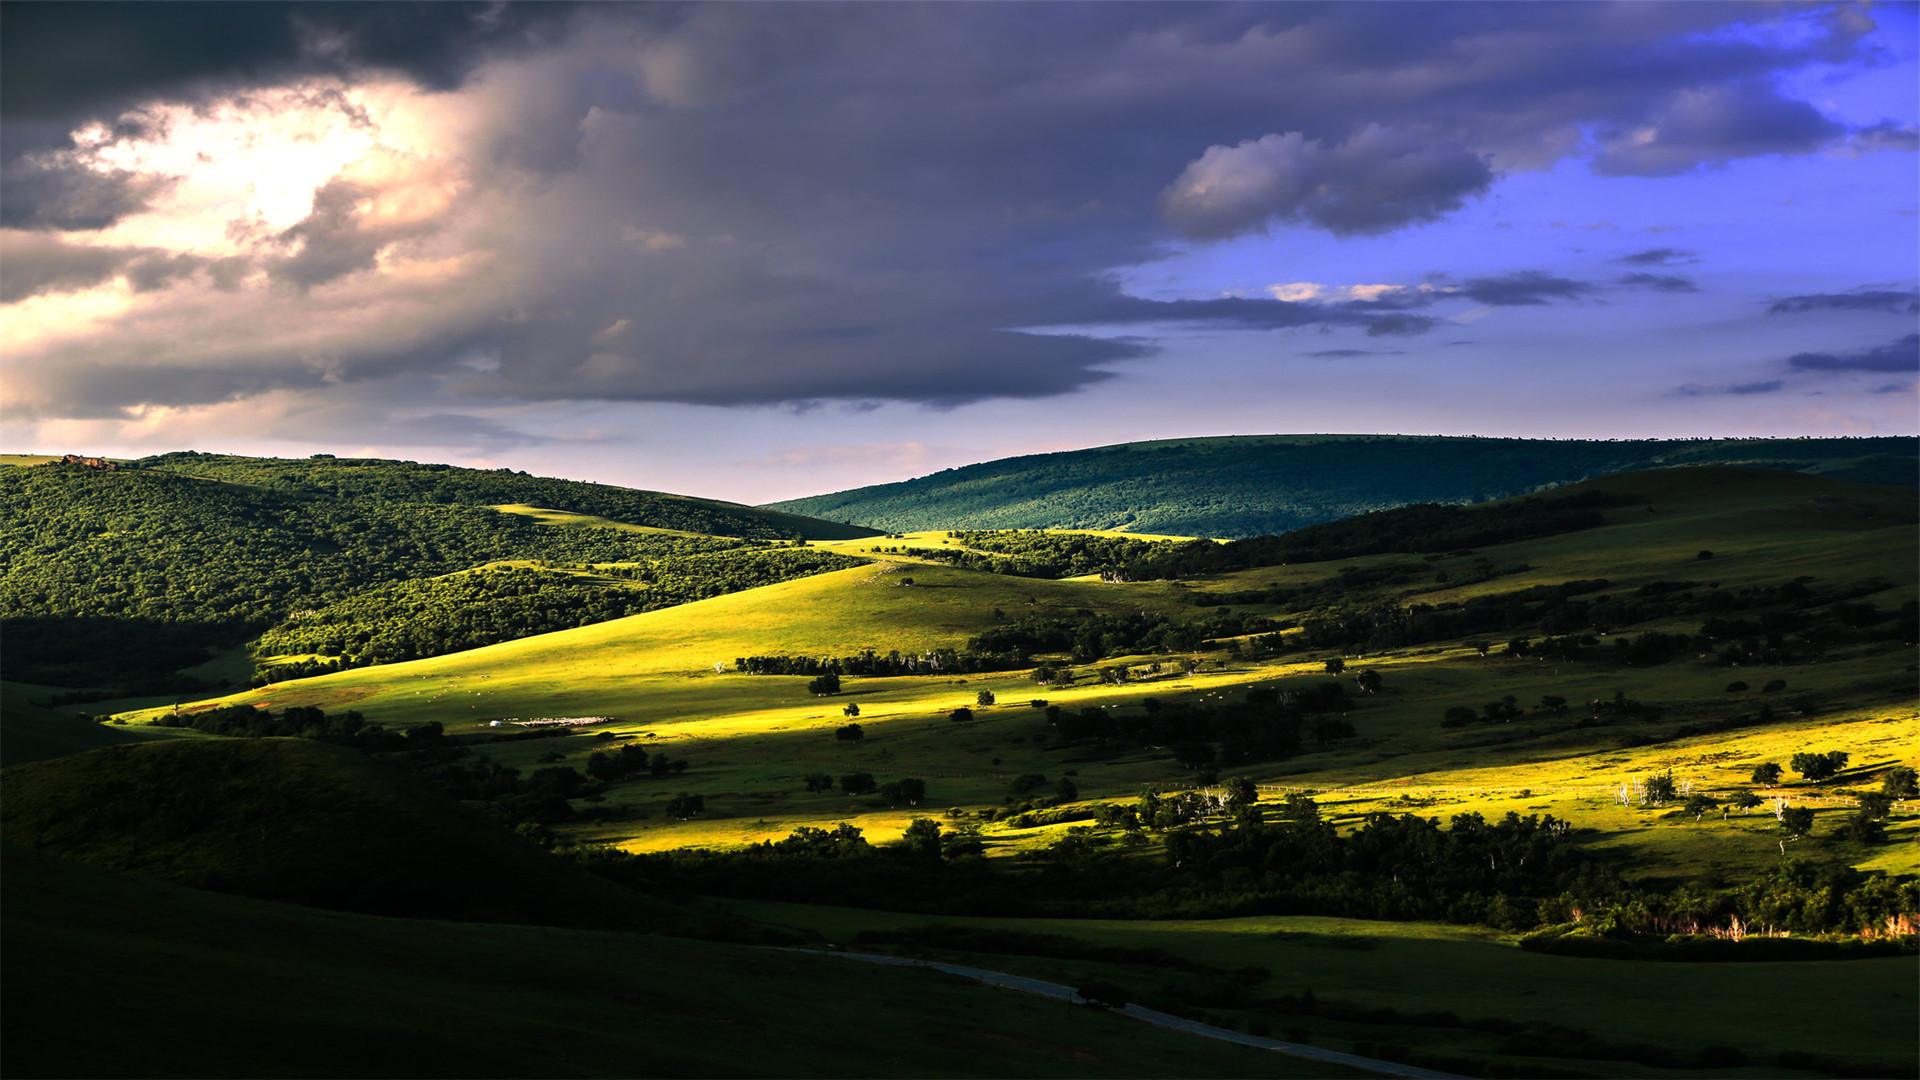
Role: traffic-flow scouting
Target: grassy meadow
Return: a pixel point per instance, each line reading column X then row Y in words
column 666, row 682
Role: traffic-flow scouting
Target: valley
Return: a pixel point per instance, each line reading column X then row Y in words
column 1254, row 796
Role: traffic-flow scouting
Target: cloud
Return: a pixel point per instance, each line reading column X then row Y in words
column 1902, row 355
column 739, row 205
column 1888, row 300
column 1737, row 390
column 1673, row 283
column 1349, row 354
column 1379, row 180
column 1527, row 287
column 1712, row 125
column 1658, row 257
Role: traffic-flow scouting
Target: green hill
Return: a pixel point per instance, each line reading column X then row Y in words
column 122, row 577
column 1239, row 486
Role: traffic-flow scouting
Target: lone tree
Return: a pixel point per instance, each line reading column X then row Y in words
column 1818, row 767
column 819, row 781
column 849, row 733
column 1767, row 773
column 960, row 714
column 851, row 710
column 1369, row 680
column 824, row 685
column 984, row 698
column 684, row 806
column 1660, row 788
column 1335, row 666
column 909, row 791
column 1900, row 782
column 1797, row 820
column 1241, row 792
column 860, row 783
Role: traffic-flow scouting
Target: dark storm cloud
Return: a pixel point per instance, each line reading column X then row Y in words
column 1657, row 257
column 1524, row 288
column 729, row 203
column 33, row 264
column 1902, row 355
column 74, row 60
column 51, row 194
column 1898, row 303
column 1673, row 283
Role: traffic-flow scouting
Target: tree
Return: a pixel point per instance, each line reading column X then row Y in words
column 1818, row 767
column 683, row 806
column 984, row 698
column 922, row 836
column 909, row 791
column 1369, row 681
column 960, row 714
column 1066, row 791
column 1241, row 792
column 1335, row 666
column 1900, row 782
column 824, row 685
column 858, row 784
column 819, row 781
column 849, row 733
column 1660, row 789
column 1746, row 800
column 1459, row 716
column 1767, row 773
column 850, row 710
column 1797, row 820
column 1698, row 805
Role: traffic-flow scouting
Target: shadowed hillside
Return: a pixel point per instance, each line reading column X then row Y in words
column 1250, row 485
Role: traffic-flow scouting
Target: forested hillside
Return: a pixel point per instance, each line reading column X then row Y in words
column 122, row 577
column 1253, row 485
column 411, row 482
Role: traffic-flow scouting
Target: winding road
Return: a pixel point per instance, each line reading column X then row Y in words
column 1192, row 1027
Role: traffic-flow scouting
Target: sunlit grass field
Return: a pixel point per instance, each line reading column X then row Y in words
column 665, row 677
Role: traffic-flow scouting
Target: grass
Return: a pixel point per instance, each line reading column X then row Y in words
column 1857, row 1009
column 752, row 739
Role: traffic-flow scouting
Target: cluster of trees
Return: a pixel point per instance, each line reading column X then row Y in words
column 910, row 791
column 1089, row 636
column 870, row 663
column 1270, row 723
column 632, row 760
column 410, row 620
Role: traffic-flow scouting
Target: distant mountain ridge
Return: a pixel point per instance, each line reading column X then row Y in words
column 1249, row 485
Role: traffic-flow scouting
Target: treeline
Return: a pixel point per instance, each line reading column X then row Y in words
column 1090, row 636
column 1419, row 529
column 1793, row 622
column 1521, row 874
column 364, row 479
column 410, row 620
column 869, row 662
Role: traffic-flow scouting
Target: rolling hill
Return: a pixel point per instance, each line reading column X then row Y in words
column 1499, row 758
column 1238, row 486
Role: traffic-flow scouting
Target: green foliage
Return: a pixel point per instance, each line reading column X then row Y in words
column 376, row 479
column 414, row 619
column 124, row 576
column 1253, row 485
column 1817, row 767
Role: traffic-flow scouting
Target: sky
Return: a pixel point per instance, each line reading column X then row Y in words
column 756, row 252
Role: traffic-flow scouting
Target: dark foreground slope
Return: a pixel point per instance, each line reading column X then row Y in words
column 1251, row 485
column 304, row 822
column 110, row 976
